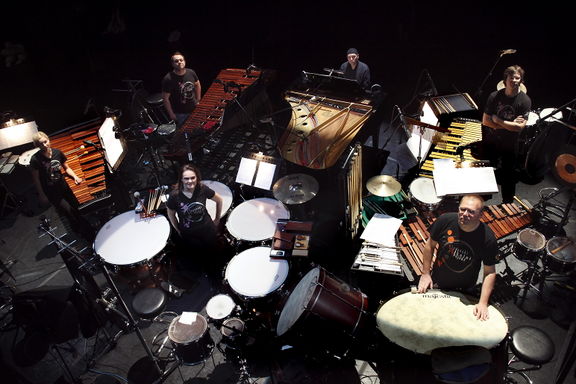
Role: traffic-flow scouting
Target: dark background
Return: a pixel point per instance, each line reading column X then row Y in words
column 81, row 51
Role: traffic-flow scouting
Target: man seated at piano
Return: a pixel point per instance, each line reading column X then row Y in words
column 181, row 90
column 46, row 167
column 505, row 115
column 354, row 69
column 186, row 208
column 465, row 244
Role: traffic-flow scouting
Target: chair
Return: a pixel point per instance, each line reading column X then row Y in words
column 531, row 346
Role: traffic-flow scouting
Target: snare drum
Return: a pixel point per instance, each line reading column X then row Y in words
column 253, row 274
column 560, row 255
column 220, row 307
column 192, row 341
column 423, row 194
column 224, row 192
column 131, row 244
column 436, row 319
column 529, row 245
column 255, row 220
column 323, row 306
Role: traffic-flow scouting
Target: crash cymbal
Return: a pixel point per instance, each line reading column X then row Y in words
column 565, row 166
column 296, row 188
column 501, row 85
column 383, row 186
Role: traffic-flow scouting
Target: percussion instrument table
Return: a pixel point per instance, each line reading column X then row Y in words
column 436, row 319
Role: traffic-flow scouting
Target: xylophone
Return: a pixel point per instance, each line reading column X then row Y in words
column 208, row 114
column 503, row 219
column 460, row 132
column 84, row 160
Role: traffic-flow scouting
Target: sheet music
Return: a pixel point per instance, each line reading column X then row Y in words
column 459, row 181
column 381, row 229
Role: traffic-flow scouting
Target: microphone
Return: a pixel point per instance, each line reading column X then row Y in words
column 507, row 52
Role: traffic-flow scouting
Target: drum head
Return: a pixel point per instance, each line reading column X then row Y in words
column 181, row 333
column 235, row 323
column 224, row 192
column 532, row 118
column 531, row 239
column 220, row 306
column 166, row 129
column 252, row 273
column 562, row 249
column 423, row 190
column 255, row 220
column 297, row 301
column 129, row 239
column 546, row 111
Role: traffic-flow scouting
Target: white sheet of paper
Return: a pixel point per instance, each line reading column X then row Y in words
column 265, row 175
column 246, row 171
column 459, row 181
column 187, row 317
column 444, row 164
column 381, row 229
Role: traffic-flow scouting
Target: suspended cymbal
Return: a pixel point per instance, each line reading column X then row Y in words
column 565, row 166
column 296, row 188
column 383, row 186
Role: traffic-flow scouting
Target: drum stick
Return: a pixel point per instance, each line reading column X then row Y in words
column 522, row 203
column 558, row 249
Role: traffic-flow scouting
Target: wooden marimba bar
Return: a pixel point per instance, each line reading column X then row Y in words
column 502, row 219
column 84, row 160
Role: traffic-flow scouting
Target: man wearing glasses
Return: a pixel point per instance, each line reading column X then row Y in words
column 181, row 90
column 464, row 245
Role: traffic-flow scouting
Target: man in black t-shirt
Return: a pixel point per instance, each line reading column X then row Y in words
column 464, row 245
column 354, row 69
column 505, row 115
column 181, row 90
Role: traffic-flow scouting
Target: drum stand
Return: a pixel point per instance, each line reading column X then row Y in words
column 548, row 208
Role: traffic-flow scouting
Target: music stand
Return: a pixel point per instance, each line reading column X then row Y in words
column 257, row 170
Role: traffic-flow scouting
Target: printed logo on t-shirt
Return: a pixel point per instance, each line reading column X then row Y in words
column 54, row 173
column 192, row 213
column 456, row 256
column 186, row 92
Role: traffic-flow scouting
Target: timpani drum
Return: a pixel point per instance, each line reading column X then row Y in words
column 191, row 339
column 437, row 319
column 323, row 306
column 224, row 192
column 423, row 194
column 560, row 255
column 252, row 274
column 529, row 245
column 255, row 220
column 131, row 245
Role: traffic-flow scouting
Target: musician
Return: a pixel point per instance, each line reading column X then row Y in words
column 187, row 212
column 354, row 69
column 181, row 90
column 46, row 167
column 465, row 243
column 505, row 115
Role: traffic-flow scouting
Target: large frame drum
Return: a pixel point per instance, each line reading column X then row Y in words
column 130, row 245
column 323, row 306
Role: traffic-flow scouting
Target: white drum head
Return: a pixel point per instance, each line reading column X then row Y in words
column 547, row 111
column 128, row 239
column 297, row 301
column 220, row 306
column 423, row 190
column 531, row 239
column 255, row 220
column 224, row 192
column 253, row 273
column 532, row 118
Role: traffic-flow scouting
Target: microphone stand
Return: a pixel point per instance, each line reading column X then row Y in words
column 478, row 92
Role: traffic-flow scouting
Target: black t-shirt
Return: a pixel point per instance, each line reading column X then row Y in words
column 193, row 217
column 50, row 171
column 460, row 254
column 181, row 90
column 508, row 108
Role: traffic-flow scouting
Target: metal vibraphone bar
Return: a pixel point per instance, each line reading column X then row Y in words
column 503, row 219
column 460, row 132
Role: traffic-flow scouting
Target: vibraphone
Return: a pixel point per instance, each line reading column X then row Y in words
column 207, row 116
column 461, row 132
column 84, row 160
column 503, row 219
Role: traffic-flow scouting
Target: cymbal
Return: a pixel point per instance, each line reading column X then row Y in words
column 383, row 186
column 296, row 188
column 566, row 167
column 501, row 85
